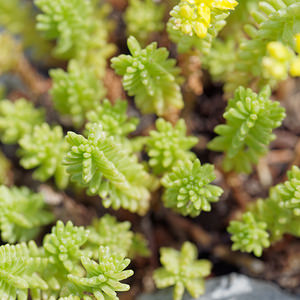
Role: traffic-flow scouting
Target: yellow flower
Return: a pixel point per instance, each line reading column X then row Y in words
column 274, row 68
column 297, row 38
column 278, row 51
column 194, row 16
column 295, row 67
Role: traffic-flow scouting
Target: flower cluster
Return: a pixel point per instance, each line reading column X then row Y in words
column 194, row 17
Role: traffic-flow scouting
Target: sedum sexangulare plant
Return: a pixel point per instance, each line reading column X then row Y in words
column 143, row 18
column 167, row 144
column 250, row 120
column 22, row 214
column 188, row 189
column 99, row 163
column 44, row 149
column 130, row 138
column 182, row 270
column 18, row 119
column 150, row 76
column 76, row 91
column 267, row 220
column 108, row 232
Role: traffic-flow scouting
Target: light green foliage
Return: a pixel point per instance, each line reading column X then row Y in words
column 182, row 269
column 220, row 60
column 167, row 144
column 106, row 168
column 14, row 14
column 17, row 119
column 269, row 219
column 143, row 18
column 275, row 20
column 108, row 232
column 150, row 77
column 289, row 192
column 102, row 280
column 188, row 189
column 196, row 33
column 44, row 149
column 22, row 213
column 115, row 122
column 68, row 21
column 62, row 248
column 76, row 92
column 18, row 271
column 61, row 269
column 113, row 118
column 280, row 209
column 81, row 29
column 62, row 245
column 98, row 49
column 250, row 119
column 249, row 235
column 239, row 17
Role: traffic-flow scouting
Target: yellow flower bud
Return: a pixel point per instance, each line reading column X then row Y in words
column 224, row 4
column 186, row 28
column 274, row 68
column 204, row 12
column 278, row 51
column 186, row 11
column 295, row 67
column 200, row 29
column 297, row 38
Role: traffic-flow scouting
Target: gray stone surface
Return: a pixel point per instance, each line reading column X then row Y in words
column 232, row 287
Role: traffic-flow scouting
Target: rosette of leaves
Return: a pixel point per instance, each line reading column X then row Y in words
column 274, row 20
column 106, row 168
column 289, row 192
column 250, row 120
column 76, row 91
column 44, row 149
column 113, row 118
column 108, row 232
column 281, row 209
column 267, row 220
column 150, row 76
column 62, row 248
column 188, row 189
column 102, row 280
column 67, row 21
column 143, row 18
column 17, row 119
column 249, row 235
column 98, row 48
column 22, row 213
column 167, row 144
column 182, row 270
column 19, row 268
